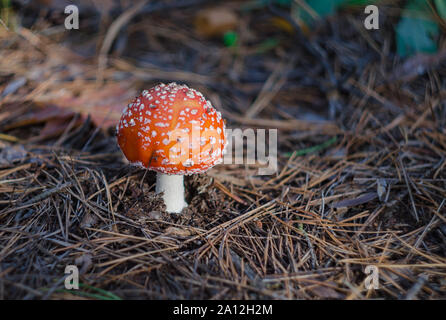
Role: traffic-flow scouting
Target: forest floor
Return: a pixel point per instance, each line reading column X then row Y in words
column 361, row 175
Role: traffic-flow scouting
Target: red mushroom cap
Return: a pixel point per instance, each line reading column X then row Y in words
column 172, row 129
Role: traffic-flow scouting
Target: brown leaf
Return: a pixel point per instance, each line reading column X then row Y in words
column 156, row 215
column 88, row 220
column 10, row 154
column 174, row 231
column 417, row 66
column 41, row 114
column 55, row 127
column 215, row 22
column 84, row 261
column 103, row 104
column 381, row 188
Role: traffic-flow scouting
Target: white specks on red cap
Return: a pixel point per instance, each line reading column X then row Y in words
column 162, row 110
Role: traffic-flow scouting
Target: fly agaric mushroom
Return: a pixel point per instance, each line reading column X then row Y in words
column 173, row 130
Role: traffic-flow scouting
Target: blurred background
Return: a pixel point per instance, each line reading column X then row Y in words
column 361, row 119
column 274, row 60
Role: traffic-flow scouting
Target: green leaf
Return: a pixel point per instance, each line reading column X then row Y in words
column 283, row 3
column 266, row 45
column 258, row 4
column 103, row 294
column 441, row 8
column 321, row 8
column 4, row 4
column 360, row 2
column 312, row 149
column 230, row 38
column 325, row 8
column 417, row 30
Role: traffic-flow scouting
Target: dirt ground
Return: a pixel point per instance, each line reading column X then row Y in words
column 361, row 175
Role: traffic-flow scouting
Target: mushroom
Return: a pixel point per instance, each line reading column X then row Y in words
column 173, row 130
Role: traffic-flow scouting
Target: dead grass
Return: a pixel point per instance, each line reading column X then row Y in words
column 374, row 195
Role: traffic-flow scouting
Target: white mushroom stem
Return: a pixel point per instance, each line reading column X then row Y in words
column 173, row 188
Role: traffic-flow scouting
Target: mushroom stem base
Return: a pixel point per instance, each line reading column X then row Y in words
column 173, row 188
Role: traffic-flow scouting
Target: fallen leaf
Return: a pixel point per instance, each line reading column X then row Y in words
column 215, row 22
column 55, row 127
column 9, row 154
column 441, row 8
column 104, row 104
column 41, row 114
column 417, row 29
column 417, row 66
column 381, row 188
column 84, row 261
column 156, row 215
column 174, row 231
column 88, row 221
